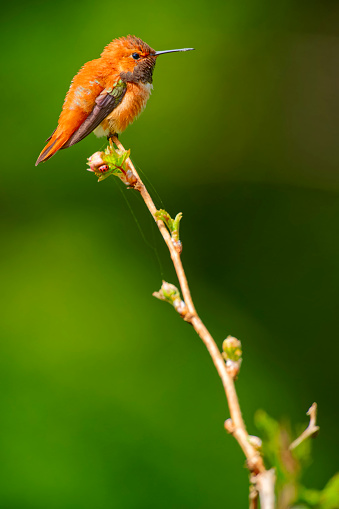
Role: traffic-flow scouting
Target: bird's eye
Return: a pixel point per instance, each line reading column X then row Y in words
column 135, row 56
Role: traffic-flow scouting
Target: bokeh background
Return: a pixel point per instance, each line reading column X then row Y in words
column 107, row 398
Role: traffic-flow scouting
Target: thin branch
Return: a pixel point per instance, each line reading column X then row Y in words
column 254, row 460
column 311, row 430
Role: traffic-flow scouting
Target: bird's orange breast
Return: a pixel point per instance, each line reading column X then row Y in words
column 133, row 103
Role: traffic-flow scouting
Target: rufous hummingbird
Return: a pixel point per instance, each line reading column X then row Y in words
column 107, row 94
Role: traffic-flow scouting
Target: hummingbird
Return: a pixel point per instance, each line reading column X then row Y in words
column 107, row 94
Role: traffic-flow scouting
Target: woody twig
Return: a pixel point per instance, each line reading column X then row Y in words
column 311, row 430
column 227, row 363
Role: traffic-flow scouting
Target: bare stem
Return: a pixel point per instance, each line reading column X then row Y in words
column 311, row 430
column 265, row 486
column 237, row 426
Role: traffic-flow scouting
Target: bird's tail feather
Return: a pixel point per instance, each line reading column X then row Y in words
column 54, row 144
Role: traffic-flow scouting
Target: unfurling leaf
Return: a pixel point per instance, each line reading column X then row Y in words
column 172, row 225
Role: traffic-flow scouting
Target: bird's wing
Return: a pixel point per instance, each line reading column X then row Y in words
column 105, row 103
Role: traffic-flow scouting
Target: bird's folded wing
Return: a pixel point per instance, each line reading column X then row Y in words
column 104, row 105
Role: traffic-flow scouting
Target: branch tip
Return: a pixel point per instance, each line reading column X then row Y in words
column 112, row 162
column 312, row 429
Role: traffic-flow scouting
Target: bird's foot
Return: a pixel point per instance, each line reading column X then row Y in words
column 111, row 139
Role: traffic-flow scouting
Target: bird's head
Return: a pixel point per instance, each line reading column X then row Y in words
column 133, row 58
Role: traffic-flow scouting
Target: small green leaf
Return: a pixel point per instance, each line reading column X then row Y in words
column 175, row 227
column 330, row 494
column 309, row 497
column 172, row 224
column 115, row 160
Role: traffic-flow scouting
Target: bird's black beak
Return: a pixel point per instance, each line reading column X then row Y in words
column 157, row 53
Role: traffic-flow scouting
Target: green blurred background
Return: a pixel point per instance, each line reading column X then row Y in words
column 108, row 399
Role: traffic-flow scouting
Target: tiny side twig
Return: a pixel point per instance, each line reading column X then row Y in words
column 253, row 497
column 238, row 429
column 311, row 430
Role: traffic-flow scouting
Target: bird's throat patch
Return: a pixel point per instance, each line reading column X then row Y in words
column 143, row 71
